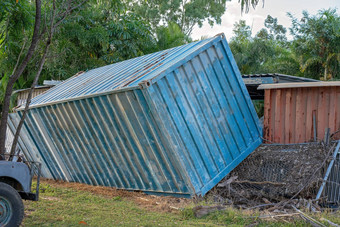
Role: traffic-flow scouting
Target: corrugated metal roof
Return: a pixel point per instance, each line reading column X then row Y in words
column 278, row 78
column 125, row 74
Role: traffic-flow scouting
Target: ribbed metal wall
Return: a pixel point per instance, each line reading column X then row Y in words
column 288, row 113
column 177, row 133
column 9, row 141
column 107, row 140
column 204, row 110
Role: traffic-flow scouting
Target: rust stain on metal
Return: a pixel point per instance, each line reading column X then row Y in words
column 288, row 113
column 147, row 68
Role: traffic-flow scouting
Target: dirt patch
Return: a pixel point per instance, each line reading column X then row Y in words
column 49, row 198
column 150, row 202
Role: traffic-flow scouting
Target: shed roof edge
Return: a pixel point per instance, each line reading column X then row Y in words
column 299, row 85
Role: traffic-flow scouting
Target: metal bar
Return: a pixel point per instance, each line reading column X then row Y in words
column 328, row 171
column 326, row 138
column 314, row 126
column 38, row 182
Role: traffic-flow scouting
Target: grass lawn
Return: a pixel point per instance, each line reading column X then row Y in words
column 80, row 205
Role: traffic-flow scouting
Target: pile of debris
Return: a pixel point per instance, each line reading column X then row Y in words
column 276, row 173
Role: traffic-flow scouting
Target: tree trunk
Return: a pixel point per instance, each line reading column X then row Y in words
column 325, row 73
column 13, row 78
column 35, row 82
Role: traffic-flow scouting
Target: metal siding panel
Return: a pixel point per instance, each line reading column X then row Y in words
column 66, row 120
column 184, row 131
column 239, row 92
column 233, row 120
column 193, row 117
column 242, row 92
column 65, row 148
column 41, row 147
column 220, row 106
column 309, row 118
column 172, row 138
column 300, row 104
column 267, row 115
column 26, row 145
column 210, row 106
column 54, row 140
column 188, row 98
column 76, row 138
column 90, row 131
column 142, row 145
column 332, row 109
column 170, row 173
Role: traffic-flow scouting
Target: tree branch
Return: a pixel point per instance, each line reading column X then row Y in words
column 14, row 77
column 35, row 82
column 18, row 60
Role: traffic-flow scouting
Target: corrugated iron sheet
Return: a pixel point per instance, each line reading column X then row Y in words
column 177, row 133
column 22, row 95
column 9, row 141
column 125, row 74
column 288, row 113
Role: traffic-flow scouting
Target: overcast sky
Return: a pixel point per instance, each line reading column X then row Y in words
column 255, row 18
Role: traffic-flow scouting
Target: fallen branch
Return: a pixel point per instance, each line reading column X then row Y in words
column 308, row 218
column 276, row 215
column 329, row 222
column 260, row 182
column 262, row 205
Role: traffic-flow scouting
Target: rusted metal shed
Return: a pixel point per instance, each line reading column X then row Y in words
column 253, row 81
column 173, row 122
column 300, row 112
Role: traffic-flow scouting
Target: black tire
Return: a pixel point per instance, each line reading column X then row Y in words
column 11, row 206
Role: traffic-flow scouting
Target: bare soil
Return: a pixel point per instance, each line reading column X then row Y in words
column 150, row 202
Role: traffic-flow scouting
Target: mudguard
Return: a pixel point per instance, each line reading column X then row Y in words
column 18, row 171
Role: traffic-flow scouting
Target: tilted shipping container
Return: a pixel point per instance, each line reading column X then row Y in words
column 173, row 122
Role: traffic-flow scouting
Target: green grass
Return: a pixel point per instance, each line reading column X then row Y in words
column 60, row 206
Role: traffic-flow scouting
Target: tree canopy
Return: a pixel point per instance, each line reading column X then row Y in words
column 312, row 52
column 316, row 42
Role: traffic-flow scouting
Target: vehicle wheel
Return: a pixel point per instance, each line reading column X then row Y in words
column 11, row 206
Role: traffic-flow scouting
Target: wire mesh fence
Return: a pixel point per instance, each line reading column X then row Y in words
column 331, row 193
column 273, row 173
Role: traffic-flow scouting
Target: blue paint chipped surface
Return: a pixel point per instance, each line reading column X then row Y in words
column 174, row 122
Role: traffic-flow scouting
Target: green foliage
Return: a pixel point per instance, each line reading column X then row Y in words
column 16, row 21
column 316, row 42
column 103, row 32
column 276, row 31
column 314, row 52
column 93, row 39
column 259, row 107
column 186, row 14
column 242, row 32
column 266, row 52
column 170, row 36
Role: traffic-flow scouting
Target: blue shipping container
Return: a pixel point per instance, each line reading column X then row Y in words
column 174, row 122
